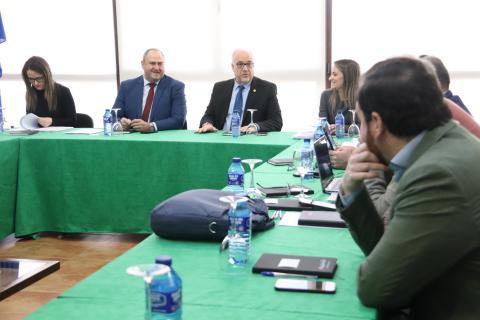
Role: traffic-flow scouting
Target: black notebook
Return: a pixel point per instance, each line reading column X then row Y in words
column 287, row 204
column 307, row 265
column 284, row 191
column 321, row 219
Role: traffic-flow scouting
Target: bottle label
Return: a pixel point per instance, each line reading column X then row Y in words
column 242, row 224
column 166, row 302
column 235, row 179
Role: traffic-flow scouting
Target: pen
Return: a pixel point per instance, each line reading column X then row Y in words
column 281, row 274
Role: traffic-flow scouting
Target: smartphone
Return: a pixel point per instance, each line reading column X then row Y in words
column 305, row 285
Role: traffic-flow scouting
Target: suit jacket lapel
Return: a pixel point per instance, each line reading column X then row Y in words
column 139, row 97
column 158, row 95
column 251, row 98
column 225, row 102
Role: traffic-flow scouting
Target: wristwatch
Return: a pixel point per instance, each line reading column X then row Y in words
column 152, row 127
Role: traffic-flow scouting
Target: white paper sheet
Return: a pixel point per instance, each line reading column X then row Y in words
column 85, row 131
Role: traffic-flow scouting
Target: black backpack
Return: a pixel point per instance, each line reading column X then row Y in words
column 200, row 215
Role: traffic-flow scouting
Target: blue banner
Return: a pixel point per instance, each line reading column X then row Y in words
column 3, row 38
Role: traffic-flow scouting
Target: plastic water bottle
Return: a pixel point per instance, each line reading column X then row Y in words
column 235, row 175
column 339, row 125
column 235, row 125
column 239, row 234
column 307, row 158
column 166, row 293
column 107, row 123
column 323, row 122
column 319, row 129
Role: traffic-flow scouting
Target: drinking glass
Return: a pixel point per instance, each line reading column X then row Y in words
column 301, row 164
column 147, row 272
column 117, row 127
column 251, row 124
column 353, row 129
column 252, row 190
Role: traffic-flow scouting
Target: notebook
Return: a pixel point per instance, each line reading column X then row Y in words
column 321, row 219
column 284, row 191
column 286, row 204
column 307, row 265
column 328, row 181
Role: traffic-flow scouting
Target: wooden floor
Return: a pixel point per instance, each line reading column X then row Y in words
column 79, row 256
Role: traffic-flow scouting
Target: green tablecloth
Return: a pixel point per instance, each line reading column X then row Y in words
column 209, row 292
column 8, row 182
column 78, row 183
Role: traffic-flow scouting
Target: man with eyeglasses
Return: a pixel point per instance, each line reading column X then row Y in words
column 153, row 101
column 243, row 92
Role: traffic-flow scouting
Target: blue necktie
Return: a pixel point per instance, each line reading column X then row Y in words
column 238, row 106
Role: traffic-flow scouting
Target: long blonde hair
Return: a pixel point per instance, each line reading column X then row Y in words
column 351, row 75
column 39, row 65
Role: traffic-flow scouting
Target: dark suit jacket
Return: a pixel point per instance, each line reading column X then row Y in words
column 262, row 96
column 428, row 258
column 168, row 108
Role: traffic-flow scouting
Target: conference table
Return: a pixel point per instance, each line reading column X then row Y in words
column 209, row 291
column 92, row 183
column 8, row 182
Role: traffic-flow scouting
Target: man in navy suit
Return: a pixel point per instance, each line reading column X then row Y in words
column 154, row 101
column 256, row 94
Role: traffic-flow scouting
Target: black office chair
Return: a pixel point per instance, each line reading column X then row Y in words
column 83, row 121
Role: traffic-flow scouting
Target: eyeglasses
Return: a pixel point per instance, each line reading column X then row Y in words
column 36, row 80
column 240, row 65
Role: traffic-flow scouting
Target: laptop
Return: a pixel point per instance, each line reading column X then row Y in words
column 328, row 181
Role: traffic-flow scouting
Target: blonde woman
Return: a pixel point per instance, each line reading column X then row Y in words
column 341, row 95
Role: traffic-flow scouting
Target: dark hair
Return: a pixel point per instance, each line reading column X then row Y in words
column 405, row 93
column 440, row 70
column 39, row 65
column 351, row 75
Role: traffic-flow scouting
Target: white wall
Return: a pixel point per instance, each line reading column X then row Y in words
column 76, row 39
column 197, row 37
column 373, row 30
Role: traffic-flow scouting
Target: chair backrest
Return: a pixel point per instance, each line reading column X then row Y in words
column 83, row 121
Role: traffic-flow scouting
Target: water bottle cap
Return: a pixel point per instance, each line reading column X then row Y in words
column 107, row 109
column 236, row 159
column 306, row 140
column 166, row 260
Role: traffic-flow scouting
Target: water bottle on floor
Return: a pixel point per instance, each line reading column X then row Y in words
column 235, row 125
column 239, row 233
column 107, row 123
column 166, row 293
column 235, row 175
column 339, row 125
